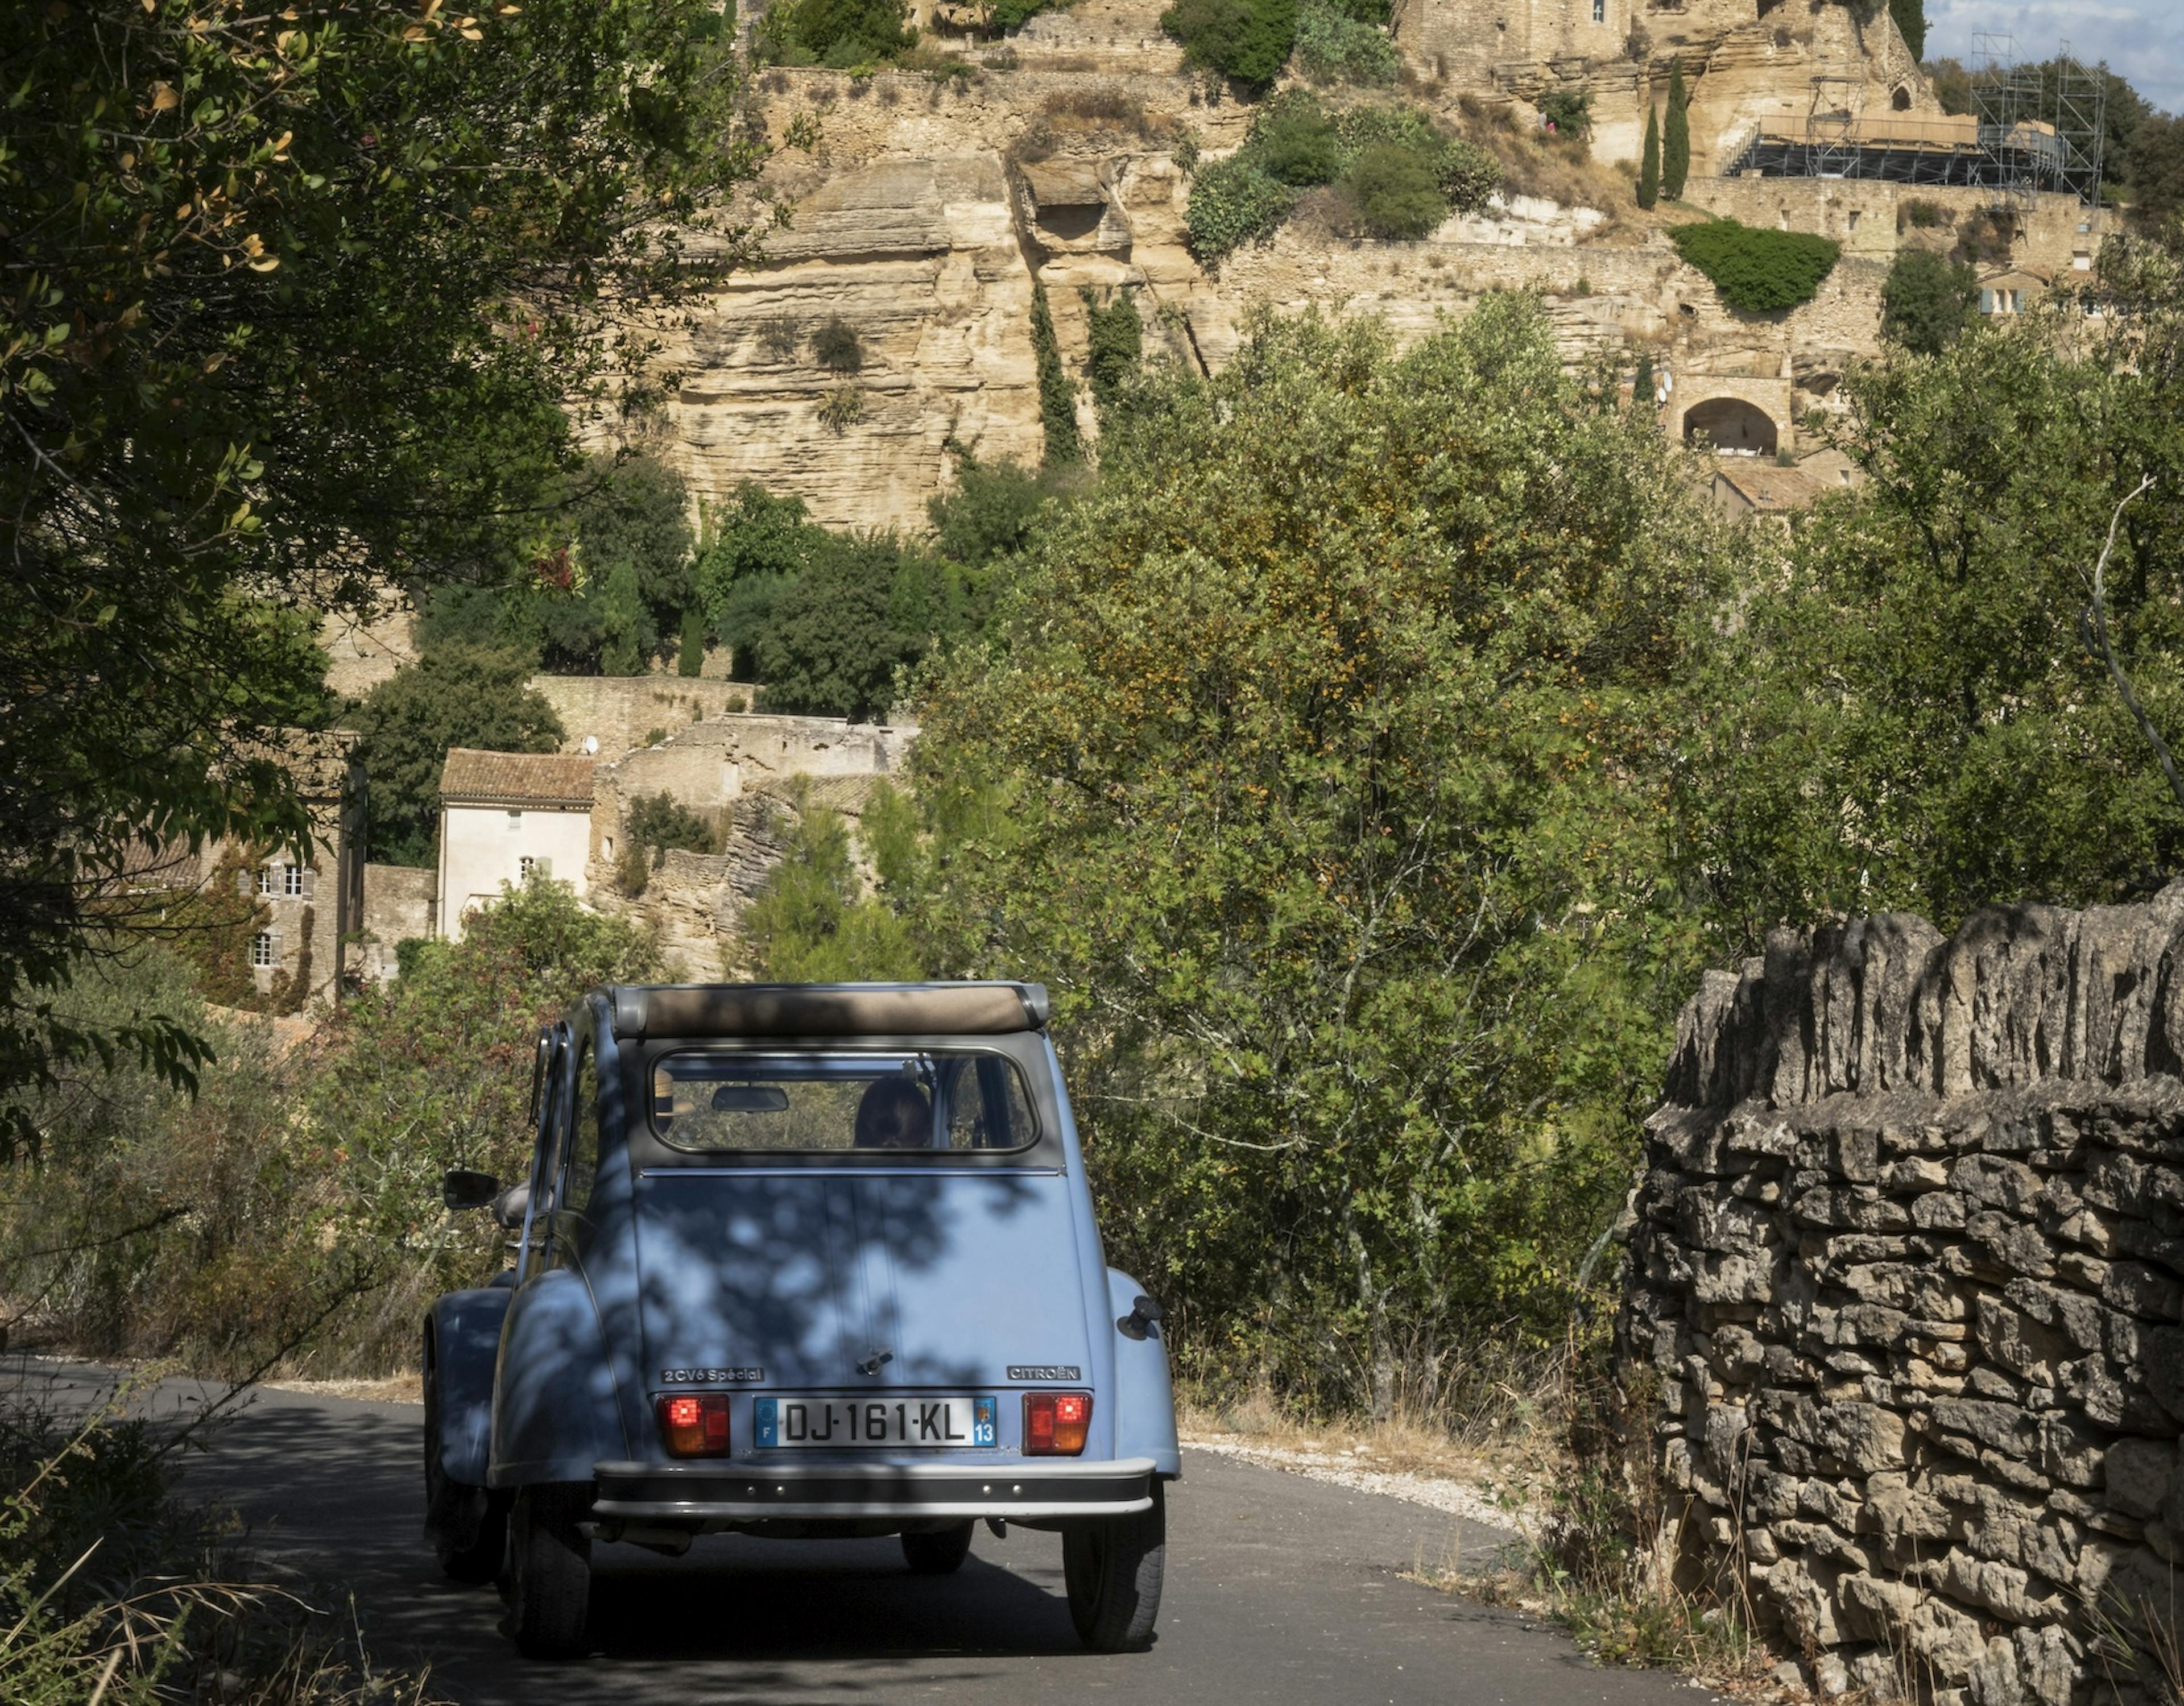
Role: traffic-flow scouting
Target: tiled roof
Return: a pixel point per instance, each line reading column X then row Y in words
column 515, row 778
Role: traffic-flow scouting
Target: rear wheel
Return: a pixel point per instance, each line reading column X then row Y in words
column 549, row 1569
column 1112, row 1569
column 938, row 1552
column 467, row 1526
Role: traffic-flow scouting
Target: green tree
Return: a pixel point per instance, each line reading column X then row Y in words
column 749, row 551
column 1759, row 271
column 2156, row 167
column 1248, row 40
column 265, row 344
column 1057, row 397
column 1115, row 340
column 1906, row 714
column 690, row 652
column 1676, row 135
column 1928, row 303
column 1389, row 192
column 453, row 695
column 811, row 921
column 1910, row 16
column 1326, row 724
column 844, row 34
column 832, row 645
column 989, row 515
column 1649, row 167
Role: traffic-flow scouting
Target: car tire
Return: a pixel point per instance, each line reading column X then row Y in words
column 937, row 1552
column 1112, row 1569
column 467, row 1526
column 549, row 1570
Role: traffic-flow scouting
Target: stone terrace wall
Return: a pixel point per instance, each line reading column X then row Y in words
column 1906, row 1264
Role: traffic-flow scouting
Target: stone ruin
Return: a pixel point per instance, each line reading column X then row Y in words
column 1906, row 1275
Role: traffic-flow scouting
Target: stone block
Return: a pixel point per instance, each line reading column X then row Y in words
column 2017, row 1341
column 1994, row 1181
column 2141, row 1290
column 2137, row 1475
column 2000, row 1427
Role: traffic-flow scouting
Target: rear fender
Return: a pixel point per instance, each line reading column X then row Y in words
column 554, row 1410
column 466, row 1328
column 1144, row 1400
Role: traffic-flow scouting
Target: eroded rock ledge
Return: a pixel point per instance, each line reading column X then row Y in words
column 1906, row 1267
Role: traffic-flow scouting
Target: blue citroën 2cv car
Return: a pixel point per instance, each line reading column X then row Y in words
column 798, row 1261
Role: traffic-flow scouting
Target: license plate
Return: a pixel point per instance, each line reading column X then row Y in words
column 784, row 1423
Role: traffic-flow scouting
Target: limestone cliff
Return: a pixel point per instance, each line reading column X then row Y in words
column 932, row 203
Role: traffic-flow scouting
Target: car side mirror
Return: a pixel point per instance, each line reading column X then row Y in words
column 1144, row 1315
column 510, row 1207
column 460, row 1188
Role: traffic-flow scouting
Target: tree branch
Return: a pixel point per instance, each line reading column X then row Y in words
column 2098, row 610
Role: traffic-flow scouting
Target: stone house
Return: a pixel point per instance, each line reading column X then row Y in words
column 1767, row 489
column 308, row 905
column 506, row 817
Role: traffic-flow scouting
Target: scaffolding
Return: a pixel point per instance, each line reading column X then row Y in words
column 2082, row 125
column 1832, row 126
column 2005, row 99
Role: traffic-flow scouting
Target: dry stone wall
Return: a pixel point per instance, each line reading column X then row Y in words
column 1906, row 1267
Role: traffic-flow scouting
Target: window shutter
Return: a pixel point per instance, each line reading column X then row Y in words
column 544, row 868
column 245, row 881
column 276, row 934
column 310, row 882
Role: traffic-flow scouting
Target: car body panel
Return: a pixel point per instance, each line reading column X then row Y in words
column 465, row 1328
column 819, row 1275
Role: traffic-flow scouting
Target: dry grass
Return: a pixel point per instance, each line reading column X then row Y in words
column 407, row 1388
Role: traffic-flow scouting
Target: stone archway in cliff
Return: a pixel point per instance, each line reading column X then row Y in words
column 1731, row 424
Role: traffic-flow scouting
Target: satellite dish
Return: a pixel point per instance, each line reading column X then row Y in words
column 591, row 744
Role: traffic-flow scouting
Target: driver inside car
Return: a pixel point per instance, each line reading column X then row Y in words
column 895, row 1114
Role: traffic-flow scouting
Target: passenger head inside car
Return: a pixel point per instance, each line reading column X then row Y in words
column 894, row 1114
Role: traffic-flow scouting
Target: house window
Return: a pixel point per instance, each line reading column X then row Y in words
column 1856, row 215
column 1600, row 11
column 515, row 823
column 291, row 879
column 531, row 866
column 261, row 949
column 2017, row 302
column 264, row 879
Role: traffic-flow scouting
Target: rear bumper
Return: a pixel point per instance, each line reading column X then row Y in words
column 1013, row 1490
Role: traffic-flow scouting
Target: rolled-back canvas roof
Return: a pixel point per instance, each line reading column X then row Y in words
column 829, row 1010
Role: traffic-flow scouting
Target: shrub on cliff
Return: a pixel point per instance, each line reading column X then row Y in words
column 843, row 34
column 1232, row 201
column 1389, row 192
column 1927, row 304
column 1248, row 40
column 1760, row 271
column 1346, row 43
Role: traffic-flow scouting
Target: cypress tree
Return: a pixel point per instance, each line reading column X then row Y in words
column 1676, row 136
column 1910, row 16
column 691, row 660
column 1649, row 165
column 1641, row 383
column 1057, row 397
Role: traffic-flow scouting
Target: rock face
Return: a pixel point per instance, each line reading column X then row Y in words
column 1906, row 1273
column 931, row 204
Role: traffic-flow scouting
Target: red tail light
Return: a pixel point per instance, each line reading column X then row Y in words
column 1056, row 1423
column 695, row 1424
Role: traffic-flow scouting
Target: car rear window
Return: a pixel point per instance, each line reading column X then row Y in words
column 865, row 1106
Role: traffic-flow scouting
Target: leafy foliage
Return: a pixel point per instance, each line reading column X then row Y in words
column 811, row 921
column 1676, row 135
column 1908, row 716
column 690, row 654
column 1910, row 16
column 1248, row 40
column 453, row 695
column 262, row 341
column 1412, row 173
column 660, row 822
column 1233, row 202
column 1570, row 111
column 1325, row 754
column 2156, row 166
column 1927, row 303
column 844, row 33
column 1390, row 192
column 1757, row 270
column 1335, row 45
column 1115, row 339
column 989, row 515
column 1057, row 397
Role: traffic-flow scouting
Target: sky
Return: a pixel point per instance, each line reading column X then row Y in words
column 2142, row 39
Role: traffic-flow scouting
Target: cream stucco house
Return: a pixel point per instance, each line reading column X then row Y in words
column 505, row 816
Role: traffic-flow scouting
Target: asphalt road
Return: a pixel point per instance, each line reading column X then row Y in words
column 1280, row 1589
